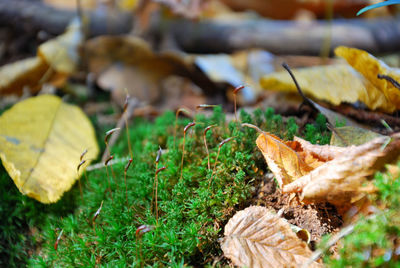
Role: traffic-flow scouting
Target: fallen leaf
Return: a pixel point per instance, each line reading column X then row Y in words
column 349, row 135
column 126, row 64
column 331, row 116
column 324, row 152
column 124, row 79
column 326, row 173
column 342, row 180
column 56, row 60
column 333, row 83
column 27, row 73
column 341, row 83
column 241, row 68
column 41, row 140
column 256, row 237
column 61, row 53
column 287, row 160
column 370, row 67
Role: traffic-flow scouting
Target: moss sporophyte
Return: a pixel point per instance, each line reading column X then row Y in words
column 155, row 218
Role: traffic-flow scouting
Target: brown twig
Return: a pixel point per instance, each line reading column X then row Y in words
column 113, row 137
column 101, row 165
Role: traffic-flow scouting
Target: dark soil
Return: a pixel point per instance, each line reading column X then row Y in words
column 318, row 219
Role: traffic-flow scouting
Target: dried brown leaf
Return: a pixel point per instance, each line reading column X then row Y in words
column 341, row 180
column 325, row 173
column 324, row 152
column 56, row 59
column 256, row 237
column 127, row 64
column 287, row 160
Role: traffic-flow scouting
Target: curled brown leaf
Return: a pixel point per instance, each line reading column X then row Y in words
column 257, row 237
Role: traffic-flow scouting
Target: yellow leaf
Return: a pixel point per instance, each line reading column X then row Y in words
column 333, row 83
column 370, row 67
column 72, row 5
column 56, row 60
column 343, row 83
column 27, row 73
column 61, row 53
column 127, row 5
column 286, row 160
column 256, row 237
column 41, row 140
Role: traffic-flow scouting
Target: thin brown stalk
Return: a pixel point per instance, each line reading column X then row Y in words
column 140, row 231
column 97, row 213
column 235, row 92
column 216, row 159
column 58, row 240
column 205, row 144
column 183, row 146
column 125, row 115
column 79, row 178
column 107, row 153
column 179, row 111
column 126, row 186
column 158, row 157
column 132, row 104
column 156, row 197
column 108, row 175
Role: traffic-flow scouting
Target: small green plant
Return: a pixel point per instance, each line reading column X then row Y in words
column 317, row 133
column 22, row 219
column 375, row 240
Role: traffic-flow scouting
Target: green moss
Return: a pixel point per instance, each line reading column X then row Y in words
column 375, row 240
column 317, row 133
column 192, row 209
column 21, row 217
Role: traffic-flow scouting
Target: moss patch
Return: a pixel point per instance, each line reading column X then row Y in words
column 192, row 209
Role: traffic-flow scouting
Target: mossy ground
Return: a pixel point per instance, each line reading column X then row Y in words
column 192, row 209
column 375, row 241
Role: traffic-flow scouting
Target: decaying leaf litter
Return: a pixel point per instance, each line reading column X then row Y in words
column 312, row 186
